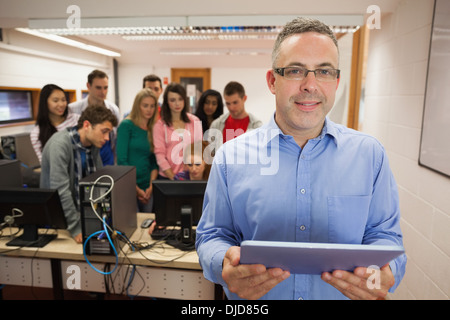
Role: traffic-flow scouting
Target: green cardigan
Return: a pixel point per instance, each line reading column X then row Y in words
column 133, row 149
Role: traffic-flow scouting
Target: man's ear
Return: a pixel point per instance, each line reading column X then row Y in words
column 86, row 124
column 270, row 77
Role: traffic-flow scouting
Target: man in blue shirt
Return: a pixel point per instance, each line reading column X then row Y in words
column 300, row 178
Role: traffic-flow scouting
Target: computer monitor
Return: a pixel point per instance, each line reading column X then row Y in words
column 15, row 106
column 171, row 196
column 10, row 174
column 30, row 209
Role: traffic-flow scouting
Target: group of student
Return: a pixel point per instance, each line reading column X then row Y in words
column 163, row 141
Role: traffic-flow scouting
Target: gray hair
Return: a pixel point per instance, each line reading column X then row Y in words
column 301, row 25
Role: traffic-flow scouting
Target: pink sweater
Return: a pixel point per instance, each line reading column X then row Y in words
column 169, row 143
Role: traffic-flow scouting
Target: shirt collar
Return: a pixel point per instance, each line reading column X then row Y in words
column 76, row 141
column 329, row 129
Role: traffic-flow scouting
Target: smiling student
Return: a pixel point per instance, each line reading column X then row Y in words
column 53, row 115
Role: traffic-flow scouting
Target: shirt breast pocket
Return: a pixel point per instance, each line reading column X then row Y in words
column 347, row 218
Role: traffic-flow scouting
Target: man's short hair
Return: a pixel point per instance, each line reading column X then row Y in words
column 151, row 78
column 297, row 26
column 96, row 114
column 96, row 74
column 234, row 87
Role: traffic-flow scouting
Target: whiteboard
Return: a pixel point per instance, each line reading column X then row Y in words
column 435, row 141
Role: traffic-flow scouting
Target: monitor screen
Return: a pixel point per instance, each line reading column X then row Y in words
column 15, row 106
column 30, row 209
column 170, row 196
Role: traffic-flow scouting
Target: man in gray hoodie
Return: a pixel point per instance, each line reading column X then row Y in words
column 70, row 155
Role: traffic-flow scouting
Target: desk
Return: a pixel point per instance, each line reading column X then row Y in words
column 162, row 272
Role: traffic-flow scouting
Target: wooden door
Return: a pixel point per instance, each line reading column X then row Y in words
column 195, row 81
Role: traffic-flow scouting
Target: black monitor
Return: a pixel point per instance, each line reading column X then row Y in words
column 171, row 198
column 10, row 174
column 30, row 209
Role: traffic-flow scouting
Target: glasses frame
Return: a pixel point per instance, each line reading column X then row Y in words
column 280, row 71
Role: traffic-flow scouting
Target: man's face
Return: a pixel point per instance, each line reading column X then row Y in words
column 155, row 86
column 235, row 105
column 301, row 105
column 98, row 90
column 97, row 135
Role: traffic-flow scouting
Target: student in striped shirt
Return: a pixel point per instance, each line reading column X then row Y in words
column 53, row 115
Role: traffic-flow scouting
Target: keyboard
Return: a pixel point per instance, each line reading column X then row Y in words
column 161, row 233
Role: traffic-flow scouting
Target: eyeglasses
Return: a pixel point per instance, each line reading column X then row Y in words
column 298, row 73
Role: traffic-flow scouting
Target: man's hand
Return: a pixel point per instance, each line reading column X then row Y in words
column 355, row 285
column 249, row 281
column 78, row 238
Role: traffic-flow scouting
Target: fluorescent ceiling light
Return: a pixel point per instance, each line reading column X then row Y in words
column 216, row 52
column 162, row 30
column 70, row 42
column 168, row 37
column 174, row 37
column 171, row 33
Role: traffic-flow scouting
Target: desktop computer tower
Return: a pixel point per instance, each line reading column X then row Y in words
column 118, row 207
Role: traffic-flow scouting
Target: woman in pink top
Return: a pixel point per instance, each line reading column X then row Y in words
column 176, row 129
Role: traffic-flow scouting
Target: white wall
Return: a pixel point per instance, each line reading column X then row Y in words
column 396, row 75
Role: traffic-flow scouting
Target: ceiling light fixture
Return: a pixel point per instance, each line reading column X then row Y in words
column 158, row 30
column 173, row 33
column 216, row 52
column 70, row 42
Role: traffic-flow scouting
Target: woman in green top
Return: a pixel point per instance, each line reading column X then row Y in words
column 135, row 146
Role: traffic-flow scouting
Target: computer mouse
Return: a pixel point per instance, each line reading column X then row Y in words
column 147, row 223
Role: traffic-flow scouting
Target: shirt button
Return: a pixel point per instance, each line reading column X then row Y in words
column 302, row 191
column 302, row 228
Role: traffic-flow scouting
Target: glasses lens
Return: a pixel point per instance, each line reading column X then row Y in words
column 294, row 73
column 297, row 73
column 326, row 74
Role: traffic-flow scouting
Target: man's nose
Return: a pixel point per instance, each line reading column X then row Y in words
column 309, row 83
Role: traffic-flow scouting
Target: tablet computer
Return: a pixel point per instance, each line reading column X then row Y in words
column 315, row 258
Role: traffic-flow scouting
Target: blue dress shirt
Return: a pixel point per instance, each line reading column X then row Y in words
column 263, row 186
